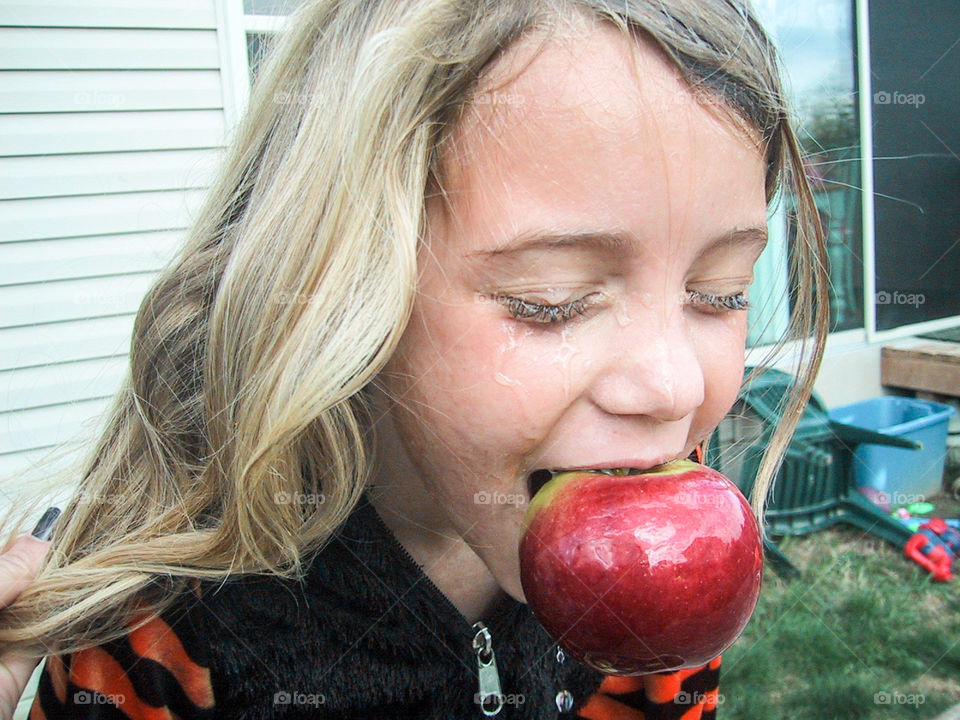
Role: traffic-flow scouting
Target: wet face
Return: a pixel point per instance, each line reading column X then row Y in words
column 580, row 291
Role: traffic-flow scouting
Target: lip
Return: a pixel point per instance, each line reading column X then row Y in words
column 641, row 464
column 537, row 478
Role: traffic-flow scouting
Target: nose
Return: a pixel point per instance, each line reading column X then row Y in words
column 649, row 367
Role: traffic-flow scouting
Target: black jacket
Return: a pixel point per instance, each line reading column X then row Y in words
column 366, row 635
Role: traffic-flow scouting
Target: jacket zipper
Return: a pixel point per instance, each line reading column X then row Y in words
column 489, row 697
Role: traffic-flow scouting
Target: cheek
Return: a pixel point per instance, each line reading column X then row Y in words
column 478, row 384
column 721, row 349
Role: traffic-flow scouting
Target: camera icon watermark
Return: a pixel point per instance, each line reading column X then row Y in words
column 289, row 298
column 86, row 697
column 885, row 297
column 895, row 97
column 490, row 701
column 697, row 698
column 294, row 697
column 91, row 497
column 283, row 497
column 98, row 100
column 104, row 302
column 694, row 499
column 483, row 497
column 499, row 98
column 888, row 697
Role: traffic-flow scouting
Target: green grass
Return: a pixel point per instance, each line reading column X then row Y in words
column 861, row 626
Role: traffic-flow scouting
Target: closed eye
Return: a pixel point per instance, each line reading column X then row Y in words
column 721, row 303
column 546, row 313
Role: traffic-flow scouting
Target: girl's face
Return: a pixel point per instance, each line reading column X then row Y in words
column 577, row 297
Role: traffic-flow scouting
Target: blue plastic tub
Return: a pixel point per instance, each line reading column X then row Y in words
column 902, row 476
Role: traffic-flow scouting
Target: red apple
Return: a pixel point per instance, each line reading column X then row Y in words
column 641, row 573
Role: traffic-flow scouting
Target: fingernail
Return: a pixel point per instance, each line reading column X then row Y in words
column 46, row 524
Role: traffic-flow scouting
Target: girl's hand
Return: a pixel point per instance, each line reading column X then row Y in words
column 18, row 566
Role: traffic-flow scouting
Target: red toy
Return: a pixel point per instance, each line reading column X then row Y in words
column 934, row 546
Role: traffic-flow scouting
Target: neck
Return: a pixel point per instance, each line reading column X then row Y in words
column 414, row 517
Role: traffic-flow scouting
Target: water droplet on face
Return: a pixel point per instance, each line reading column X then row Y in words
column 510, row 372
column 621, row 313
column 511, row 340
column 506, row 381
column 564, row 355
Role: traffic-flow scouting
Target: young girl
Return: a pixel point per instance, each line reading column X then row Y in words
column 457, row 246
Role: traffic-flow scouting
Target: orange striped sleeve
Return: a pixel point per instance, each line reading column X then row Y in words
column 58, row 677
column 154, row 673
column 690, row 694
column 663, row 688
column 36, row 712
column 94, row 670
column 603, row 707
column 157, row 641
column 616, row 685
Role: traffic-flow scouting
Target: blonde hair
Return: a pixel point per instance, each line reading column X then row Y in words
column 251, row 352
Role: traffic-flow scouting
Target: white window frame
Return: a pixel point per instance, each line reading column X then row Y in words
column 873, row 334
column 234, row 26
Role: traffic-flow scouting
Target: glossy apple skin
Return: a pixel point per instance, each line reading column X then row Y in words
column 645, row 573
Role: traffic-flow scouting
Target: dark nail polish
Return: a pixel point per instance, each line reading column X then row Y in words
column 46, row 524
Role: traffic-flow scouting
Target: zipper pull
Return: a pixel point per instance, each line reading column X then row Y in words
column 490, row 699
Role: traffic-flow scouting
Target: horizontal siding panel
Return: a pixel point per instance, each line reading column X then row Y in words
column 50, row 475
column 94, row 49
column 103, row 90
column 71, row 258
column 38, row 218
column 109, row 13
column 111, row 128
column 99, row 173
column 22, row 305
column 44, row 427
column 59, row 133
column 32, row 470
column 62, row 342
column 52, row 385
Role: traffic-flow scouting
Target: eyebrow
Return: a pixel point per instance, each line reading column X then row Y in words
column 611, row 242
column 582, row 239
column 751, row 237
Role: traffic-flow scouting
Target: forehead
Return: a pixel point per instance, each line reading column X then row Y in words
column 583, row 109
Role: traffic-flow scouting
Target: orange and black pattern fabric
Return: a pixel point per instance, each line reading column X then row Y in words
column 154, row 673
column 151, row 675
column 683, row 695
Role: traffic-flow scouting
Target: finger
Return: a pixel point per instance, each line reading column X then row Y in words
column 19, row 566
column 15, row 671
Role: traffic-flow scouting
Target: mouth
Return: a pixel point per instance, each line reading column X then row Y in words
column 538, row 478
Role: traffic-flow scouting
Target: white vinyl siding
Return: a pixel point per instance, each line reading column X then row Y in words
column 111, row 125
column 113, row 117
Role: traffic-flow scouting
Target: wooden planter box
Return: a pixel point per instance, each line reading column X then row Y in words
column 930, row 366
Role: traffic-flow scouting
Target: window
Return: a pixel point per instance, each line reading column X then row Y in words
column 247, row 27
column 914, row 67
column 262, row 19
column 817, row 44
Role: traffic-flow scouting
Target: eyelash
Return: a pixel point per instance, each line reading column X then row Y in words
column 564, row 312
column 737, row 301
column 543, row 312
